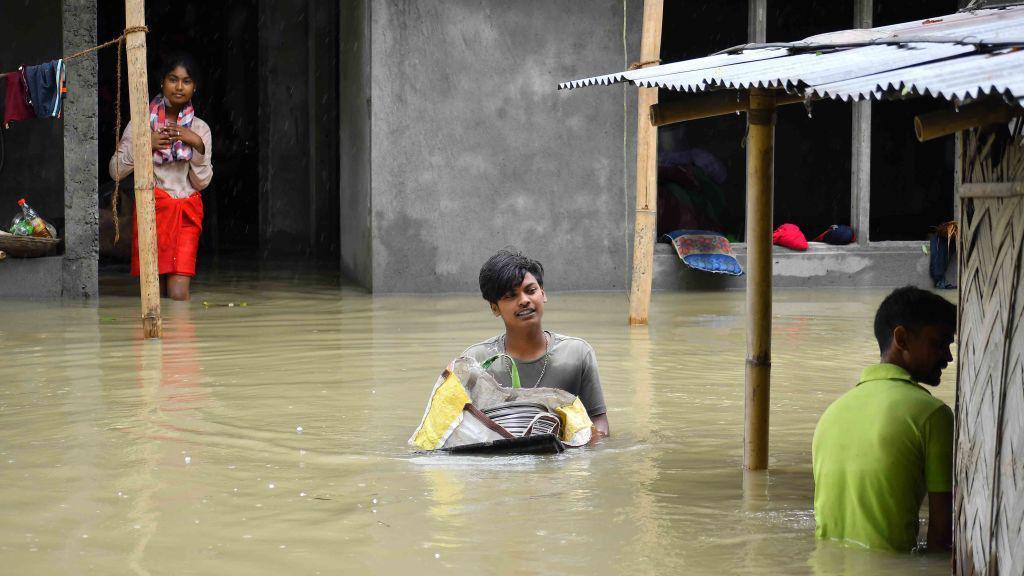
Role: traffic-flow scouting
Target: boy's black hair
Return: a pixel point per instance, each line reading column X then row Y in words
column 504, row 271
column 171, row 60
column 913, row 309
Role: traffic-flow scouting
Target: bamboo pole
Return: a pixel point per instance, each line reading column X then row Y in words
column 138, row 89
column 645, row 226
column 708, row 104
column 760, row 177
column 981, row 113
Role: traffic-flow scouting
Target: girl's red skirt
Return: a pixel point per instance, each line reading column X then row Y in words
column 179, row 222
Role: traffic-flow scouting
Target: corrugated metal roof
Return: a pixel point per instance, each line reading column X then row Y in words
column 956, row 80
column 697, row 64
column 955, row 57
column 993, row 25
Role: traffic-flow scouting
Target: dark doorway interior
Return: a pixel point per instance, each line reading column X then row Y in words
column 812, row 146
column 223, row 39
column 911, row 182
column 811, row 199
column 701, row 163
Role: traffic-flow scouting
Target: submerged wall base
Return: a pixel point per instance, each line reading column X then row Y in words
column 880, row 264
column 34, row 278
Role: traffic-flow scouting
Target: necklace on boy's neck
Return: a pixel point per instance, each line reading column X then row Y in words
column 508, row 364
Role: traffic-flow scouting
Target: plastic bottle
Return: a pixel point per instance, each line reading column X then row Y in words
column 38, row 224
column 20, row 226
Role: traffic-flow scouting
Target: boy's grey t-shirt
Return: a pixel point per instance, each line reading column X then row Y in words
column 572, row 366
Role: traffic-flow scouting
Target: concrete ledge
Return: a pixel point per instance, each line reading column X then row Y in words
column 879, row 264
column 34, row 278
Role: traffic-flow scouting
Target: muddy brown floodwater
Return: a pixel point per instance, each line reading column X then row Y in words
column 270, row 438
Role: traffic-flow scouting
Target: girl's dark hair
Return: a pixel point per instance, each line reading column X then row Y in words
column 172, row 60
column 504, row 271
column 913, row 309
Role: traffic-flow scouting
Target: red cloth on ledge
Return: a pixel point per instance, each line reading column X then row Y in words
column 789, row 236
column 179, row 222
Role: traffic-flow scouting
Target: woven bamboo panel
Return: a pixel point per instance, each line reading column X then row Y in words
column 989, row 486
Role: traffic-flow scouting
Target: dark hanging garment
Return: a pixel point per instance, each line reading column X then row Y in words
column 939, row 252
column 16, row 105
column 44, row 88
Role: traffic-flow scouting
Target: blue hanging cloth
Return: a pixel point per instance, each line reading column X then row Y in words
column 46, row 88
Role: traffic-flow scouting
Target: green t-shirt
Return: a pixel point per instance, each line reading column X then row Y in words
column 877, row 451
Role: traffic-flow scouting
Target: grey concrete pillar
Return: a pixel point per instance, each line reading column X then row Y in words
column 81, row 213
column 860, row 165
column 356, row 246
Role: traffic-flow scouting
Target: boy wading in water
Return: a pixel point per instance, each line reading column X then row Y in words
column 514, row 286
column 883, row 445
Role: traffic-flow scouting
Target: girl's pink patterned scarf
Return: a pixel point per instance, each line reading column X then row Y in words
column 179, row 151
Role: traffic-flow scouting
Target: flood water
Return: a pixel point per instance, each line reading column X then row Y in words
column 270, row 438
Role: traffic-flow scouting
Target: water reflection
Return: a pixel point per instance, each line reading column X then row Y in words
column 169, row 379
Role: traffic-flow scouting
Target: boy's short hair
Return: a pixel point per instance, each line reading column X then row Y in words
column 504, row 271
column 913, row 309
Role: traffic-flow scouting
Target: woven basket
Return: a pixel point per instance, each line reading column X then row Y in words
column 27, row 246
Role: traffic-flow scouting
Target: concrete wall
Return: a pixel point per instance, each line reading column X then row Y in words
column 474, row 149
column 354, row 129
column 81, row 211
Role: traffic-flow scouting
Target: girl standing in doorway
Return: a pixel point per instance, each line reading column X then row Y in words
column 181, row 146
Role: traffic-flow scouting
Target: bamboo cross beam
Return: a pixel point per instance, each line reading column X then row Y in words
column 645, row 226
column 708, row 104
column 138, row 89
column 982, row 112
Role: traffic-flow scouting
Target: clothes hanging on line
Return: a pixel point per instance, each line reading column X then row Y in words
column 16, row 100
column 46, row 88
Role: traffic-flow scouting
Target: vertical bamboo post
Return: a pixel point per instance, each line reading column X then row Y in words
column 138, row 90
column 760, row 176
column 645, row 226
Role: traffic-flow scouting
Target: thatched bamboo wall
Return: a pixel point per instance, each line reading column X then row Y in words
column 988, row 509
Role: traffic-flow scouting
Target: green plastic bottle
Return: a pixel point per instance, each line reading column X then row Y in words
column 21, row 226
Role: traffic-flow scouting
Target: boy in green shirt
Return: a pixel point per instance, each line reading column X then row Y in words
column 882, row 445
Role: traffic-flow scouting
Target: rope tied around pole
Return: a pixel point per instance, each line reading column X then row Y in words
column 644, row 64
column 761, row 116
column 127, row 31
column 120, row 40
